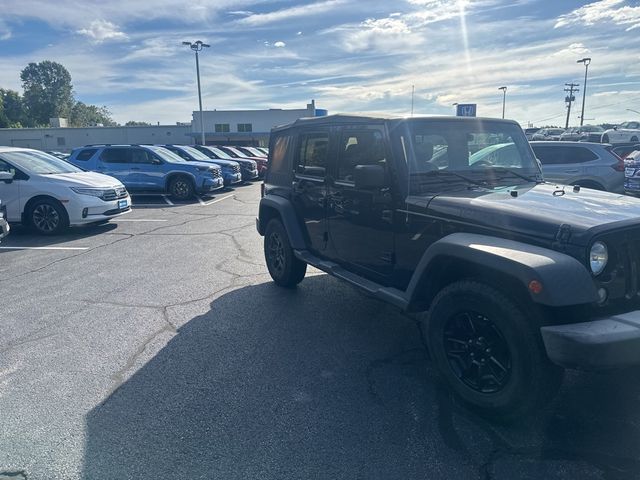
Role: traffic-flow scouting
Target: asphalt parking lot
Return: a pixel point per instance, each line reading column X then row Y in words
column 156, row 346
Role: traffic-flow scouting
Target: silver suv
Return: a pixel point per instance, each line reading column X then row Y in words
column 590, row 165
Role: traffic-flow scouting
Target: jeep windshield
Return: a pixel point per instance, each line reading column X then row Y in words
column 450, row 154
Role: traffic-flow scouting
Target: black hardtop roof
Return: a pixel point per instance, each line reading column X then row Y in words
column 341, row 118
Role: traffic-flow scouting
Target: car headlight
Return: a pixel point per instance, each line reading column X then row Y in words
column 598, row 257
column 94, row 192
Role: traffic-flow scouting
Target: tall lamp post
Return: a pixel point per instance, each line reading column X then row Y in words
column 586, row 62
column 197, row 46
column 504, row 98
column 632, row 110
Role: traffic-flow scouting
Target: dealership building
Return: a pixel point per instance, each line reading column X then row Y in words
column 222, row 127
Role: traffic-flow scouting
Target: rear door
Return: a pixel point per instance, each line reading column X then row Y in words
column 309, row 189
column 116, row 162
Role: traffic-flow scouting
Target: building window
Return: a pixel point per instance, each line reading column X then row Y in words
column 222, row 127
column 245, row 127
column 61, row 142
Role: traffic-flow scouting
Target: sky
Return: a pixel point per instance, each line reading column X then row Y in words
column 347, row 55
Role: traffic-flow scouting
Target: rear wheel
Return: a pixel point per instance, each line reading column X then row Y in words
column 285, row 269
column 489, row 351
column 48, row 217
column 181, row 188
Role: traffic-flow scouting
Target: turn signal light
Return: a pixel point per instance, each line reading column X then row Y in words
column 535, row 287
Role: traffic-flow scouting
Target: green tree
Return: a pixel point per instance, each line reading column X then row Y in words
column 134, row 123
column 48, row 91
column 12, row 112
column 83, row 115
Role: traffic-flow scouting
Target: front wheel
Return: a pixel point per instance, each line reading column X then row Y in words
column 181, row 188
column 285, row 269
column 48, row 217
column 489, row 351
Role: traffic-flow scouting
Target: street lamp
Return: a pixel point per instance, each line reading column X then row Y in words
column 632, row 110
column 504, row 98
column 586, row 62
column 197, row 46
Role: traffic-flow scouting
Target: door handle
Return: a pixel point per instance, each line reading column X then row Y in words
column 571, row 171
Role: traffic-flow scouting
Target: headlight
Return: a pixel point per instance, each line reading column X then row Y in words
column 94, row 192
column 598, row 257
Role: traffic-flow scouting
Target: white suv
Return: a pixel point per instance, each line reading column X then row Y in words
column 50, row 194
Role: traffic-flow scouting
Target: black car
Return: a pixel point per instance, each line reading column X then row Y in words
column 517, row 278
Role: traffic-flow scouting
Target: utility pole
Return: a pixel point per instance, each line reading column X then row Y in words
column 570, row 98
column 197, row 47
column 504, row 98
column 413, row 90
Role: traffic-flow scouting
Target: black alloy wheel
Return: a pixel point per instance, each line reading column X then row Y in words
column 181, row 188
column 47, row 217
column 477, row 352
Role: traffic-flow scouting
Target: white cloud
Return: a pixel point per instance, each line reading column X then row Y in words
column 312, row 9
column 101, row 31
column 279, row 44
column 616, row 11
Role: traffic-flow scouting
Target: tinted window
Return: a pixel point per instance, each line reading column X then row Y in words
column 549, row 155
column 312, row 156
column 363, row 147
column 85, row 155
column 116, row 155
column 38, row 162
column 562, row 155
column 280, row 148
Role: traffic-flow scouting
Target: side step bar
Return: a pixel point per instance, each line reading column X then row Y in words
column 387, row 294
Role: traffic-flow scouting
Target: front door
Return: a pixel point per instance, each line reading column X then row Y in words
column 116, row 162
column 360, row 220
column 309, row 188
column 146, row 170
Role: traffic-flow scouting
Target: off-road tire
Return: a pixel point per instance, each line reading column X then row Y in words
column 532, row 379
column 285, row 269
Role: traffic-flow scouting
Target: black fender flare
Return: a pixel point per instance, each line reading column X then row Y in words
column 288, row 216
column 565, row 281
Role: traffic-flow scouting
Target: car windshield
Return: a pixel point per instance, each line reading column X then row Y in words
column 489, row 153
column 555, row 131
column 592, row 128
column 166, row 154
column 220, row 153
column 197, row 154
column 40, row 163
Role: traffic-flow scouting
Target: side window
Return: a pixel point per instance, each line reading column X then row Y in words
column 549, row 155
column 116, row 155
column 579, row 155
column 312, row 157
column 181, row 153
column 279, row 153
column 17, row 174
column 139, row 155
column 359, row 147
column 86, row 154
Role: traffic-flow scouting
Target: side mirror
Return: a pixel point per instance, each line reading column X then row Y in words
column 156, row 161
column 369, row 176
column 6, row 177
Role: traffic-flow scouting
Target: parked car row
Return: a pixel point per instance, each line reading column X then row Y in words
column 626, row 132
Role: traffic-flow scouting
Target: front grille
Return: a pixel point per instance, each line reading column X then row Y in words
column 114, row 194
column 621, row 276
column 236, row 168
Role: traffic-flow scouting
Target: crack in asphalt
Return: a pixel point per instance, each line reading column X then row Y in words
column 15, row 474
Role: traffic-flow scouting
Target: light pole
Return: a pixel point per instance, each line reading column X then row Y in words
column 504, row 98
column 632, row 110
column 197, row 46
column 586, row 62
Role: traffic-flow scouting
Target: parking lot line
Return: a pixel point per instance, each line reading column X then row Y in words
column 137, row 220
column 44, row 248
column 216, row 200
column 166, row 199
column 200, row 201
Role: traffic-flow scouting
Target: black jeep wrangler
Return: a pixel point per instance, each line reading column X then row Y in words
column 518, row 278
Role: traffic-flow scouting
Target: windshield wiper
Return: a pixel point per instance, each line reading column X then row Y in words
column 513, row 172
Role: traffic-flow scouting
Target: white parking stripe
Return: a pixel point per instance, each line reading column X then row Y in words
column 217, row 200
column 200, row 201
column 166, row 199
column 44, row 248
column 137, row 220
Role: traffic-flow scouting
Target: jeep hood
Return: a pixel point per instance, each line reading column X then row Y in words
column 537, row 211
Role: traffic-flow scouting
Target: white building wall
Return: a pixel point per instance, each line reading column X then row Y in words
column 262, row 121
column 66, row 139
